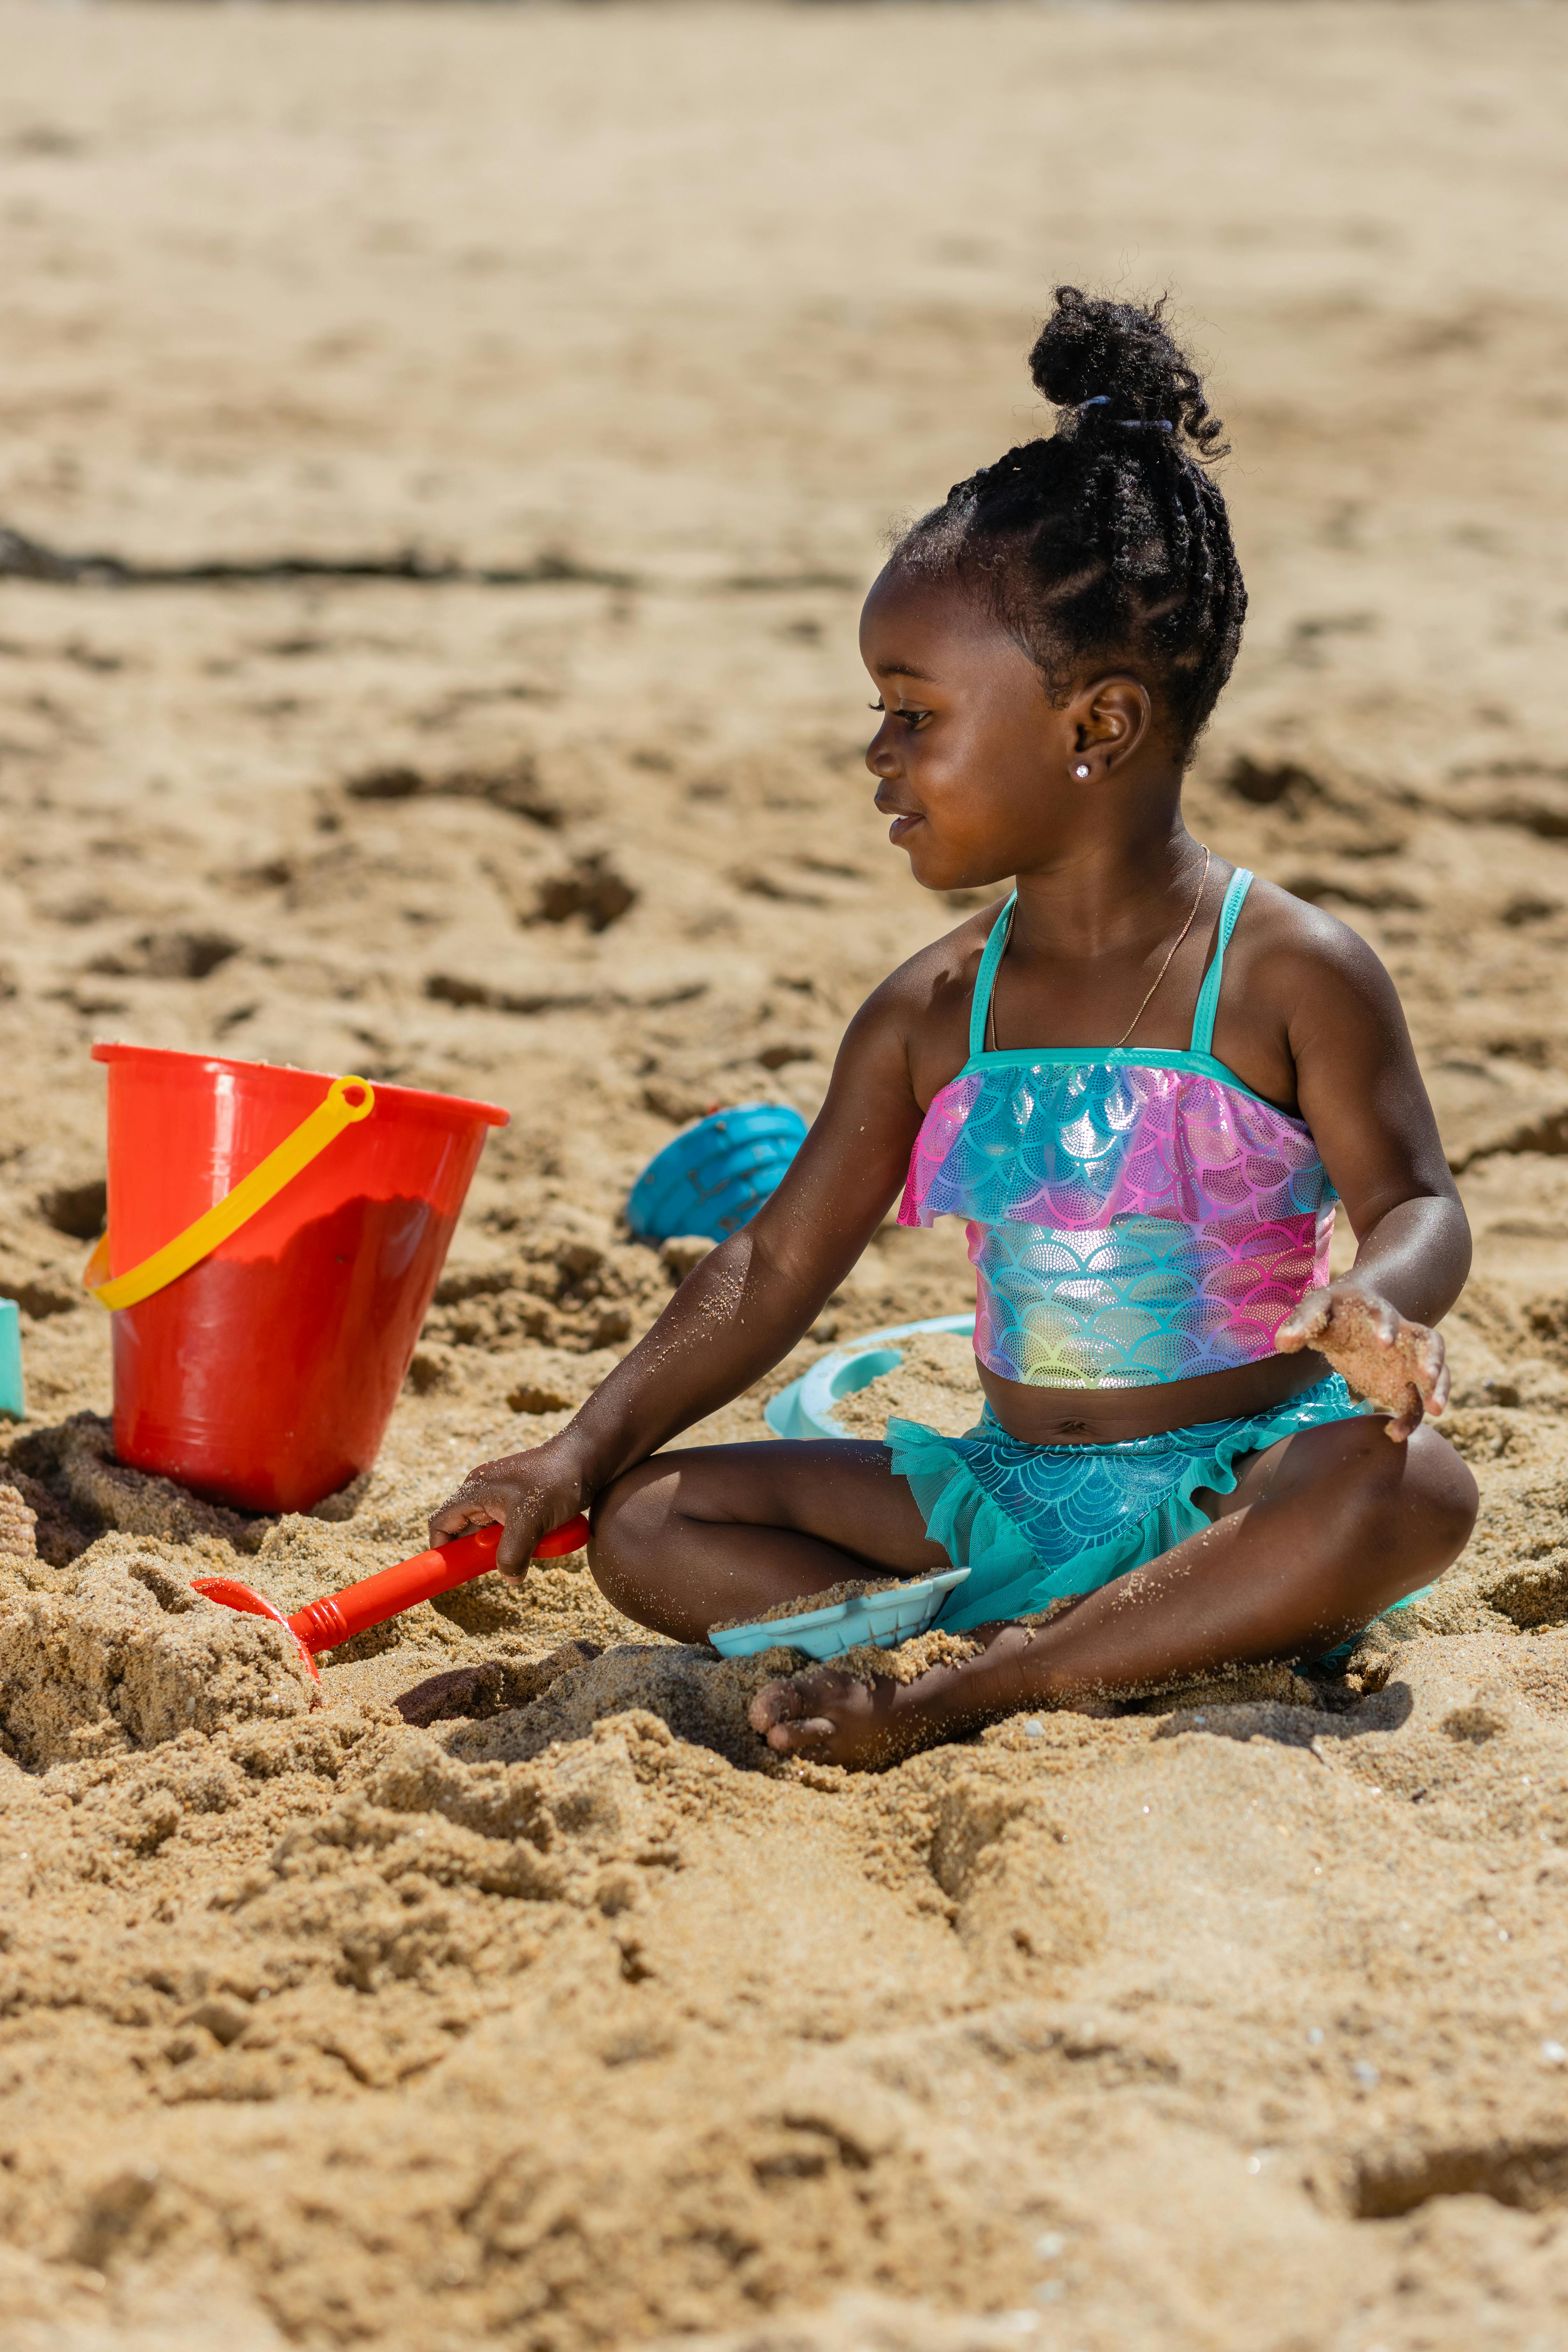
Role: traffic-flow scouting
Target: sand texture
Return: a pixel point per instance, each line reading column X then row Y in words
column 848, row 1587
column 936, row 1384
column 444, row 452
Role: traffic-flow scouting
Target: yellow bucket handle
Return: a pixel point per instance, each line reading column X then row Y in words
column 252, row 1193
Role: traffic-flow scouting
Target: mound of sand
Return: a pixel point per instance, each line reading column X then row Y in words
column 935, row 1383
column 128, row 1656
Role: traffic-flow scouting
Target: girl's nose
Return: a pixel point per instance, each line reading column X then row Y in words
column 879, row 755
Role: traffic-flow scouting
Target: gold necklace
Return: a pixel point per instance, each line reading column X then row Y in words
column 1175, row 943
column 1159, row 976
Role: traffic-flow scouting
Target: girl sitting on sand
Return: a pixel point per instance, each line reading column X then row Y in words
column 1144, row 1080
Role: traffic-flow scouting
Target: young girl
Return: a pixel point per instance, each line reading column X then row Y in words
column 1144, row 1082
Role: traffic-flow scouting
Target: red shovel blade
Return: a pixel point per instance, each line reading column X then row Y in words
column 232, row 1594
column 337, row 1617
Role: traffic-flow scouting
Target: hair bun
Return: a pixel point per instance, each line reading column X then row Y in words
column 1120, row 357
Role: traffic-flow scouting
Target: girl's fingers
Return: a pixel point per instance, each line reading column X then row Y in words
column 1300, row 1329
column 1400, row 1364
column 1428, row 1365
column 523, row 1528
column 475, row 1505
column 456, row 1518
column 471, row 1505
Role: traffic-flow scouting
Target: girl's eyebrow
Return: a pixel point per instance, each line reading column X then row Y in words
column 905, row 669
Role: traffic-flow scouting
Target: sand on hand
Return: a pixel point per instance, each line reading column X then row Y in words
column 1232, row 2017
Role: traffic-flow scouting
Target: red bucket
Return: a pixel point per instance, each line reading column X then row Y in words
column 266, row 1374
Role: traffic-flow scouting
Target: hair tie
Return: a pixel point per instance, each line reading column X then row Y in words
column 1128, row 423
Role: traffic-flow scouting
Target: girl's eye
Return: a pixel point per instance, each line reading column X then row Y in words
column 877, row 705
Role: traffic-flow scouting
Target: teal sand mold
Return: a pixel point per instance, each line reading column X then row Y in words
column 13, row 1394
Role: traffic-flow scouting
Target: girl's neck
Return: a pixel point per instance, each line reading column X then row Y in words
column 1095, row 898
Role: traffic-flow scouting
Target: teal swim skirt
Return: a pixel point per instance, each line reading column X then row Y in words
column 1033, row 1524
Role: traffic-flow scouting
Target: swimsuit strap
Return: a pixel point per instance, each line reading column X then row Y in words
column 986, row 978
column 1208, row 995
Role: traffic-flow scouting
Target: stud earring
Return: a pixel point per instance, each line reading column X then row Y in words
column 1081, row 771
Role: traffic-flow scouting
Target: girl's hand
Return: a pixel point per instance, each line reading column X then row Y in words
column 1400, row 1365
column 528, row 1493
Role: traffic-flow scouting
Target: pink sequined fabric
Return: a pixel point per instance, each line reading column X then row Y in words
column 1133, row 1219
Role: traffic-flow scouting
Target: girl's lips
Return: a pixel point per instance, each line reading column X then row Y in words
column 902, row 826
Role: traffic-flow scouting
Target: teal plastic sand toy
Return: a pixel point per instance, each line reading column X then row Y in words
column 883, row 1618
column 13, row 1395
column 714, row 1178
column 805, row 1408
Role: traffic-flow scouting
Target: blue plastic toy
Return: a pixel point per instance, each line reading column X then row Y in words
column 883, row 1618
column 716, row 1175
column 805, row 1408
column 13, row 1395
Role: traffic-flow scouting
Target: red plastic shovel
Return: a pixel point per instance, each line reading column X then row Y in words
column 323, row 1624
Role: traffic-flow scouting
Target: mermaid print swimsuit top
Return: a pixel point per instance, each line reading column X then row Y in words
column 1134, row 1216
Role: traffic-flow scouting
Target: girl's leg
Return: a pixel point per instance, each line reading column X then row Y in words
column 1323, row 1532
column 719, row 1532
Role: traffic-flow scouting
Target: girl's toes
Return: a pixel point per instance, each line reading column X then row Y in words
column 792, row 1715
column 783, row 1713
column 795, row 1738
column 775, row 1704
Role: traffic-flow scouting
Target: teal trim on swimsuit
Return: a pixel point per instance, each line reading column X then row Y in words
column 1208, row 1005
column 1203, row 1011
column 1142, row 1058
column 986, row 978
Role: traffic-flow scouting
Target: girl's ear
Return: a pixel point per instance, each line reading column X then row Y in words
column 1106, row 723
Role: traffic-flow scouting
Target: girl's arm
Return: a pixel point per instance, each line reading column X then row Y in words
column 1362, row 1093
column 741, row 1309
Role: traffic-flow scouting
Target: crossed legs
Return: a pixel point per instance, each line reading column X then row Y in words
column 1322, row 1532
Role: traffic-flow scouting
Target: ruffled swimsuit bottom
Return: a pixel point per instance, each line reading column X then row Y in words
column 1033, row 1524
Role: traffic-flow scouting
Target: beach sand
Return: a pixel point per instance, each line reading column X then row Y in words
column 606, row 345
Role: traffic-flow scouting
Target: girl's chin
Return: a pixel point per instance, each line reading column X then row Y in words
column 930, row 868
column 932, row 863
column 926, row 861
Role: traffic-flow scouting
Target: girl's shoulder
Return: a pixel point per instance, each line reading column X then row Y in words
column 1294, row 940
column 921, row 1010
column 943, row 971
column 1298, row 987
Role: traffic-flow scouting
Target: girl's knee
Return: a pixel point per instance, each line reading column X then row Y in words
column 1426, row 1513
column 625, row 1517
column 637, row 1553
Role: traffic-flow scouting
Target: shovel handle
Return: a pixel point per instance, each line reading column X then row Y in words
column 323, row 1624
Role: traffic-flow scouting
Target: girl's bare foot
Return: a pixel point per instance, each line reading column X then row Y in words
column 1398, row 1364
column 825, row 1713
column 829, row 1715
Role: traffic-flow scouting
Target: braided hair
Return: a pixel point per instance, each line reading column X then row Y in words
column 1109, row 538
